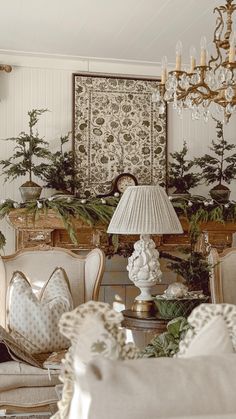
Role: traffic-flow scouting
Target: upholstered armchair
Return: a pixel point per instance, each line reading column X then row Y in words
column 30, row 388
column 223, row 275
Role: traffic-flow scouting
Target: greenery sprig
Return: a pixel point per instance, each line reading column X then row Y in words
column 167, row 344
column 198, row 209
column 91, row 211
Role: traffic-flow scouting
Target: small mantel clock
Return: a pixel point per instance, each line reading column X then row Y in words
column 120, row 183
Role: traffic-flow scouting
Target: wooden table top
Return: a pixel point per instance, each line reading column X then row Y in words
column 143, row 321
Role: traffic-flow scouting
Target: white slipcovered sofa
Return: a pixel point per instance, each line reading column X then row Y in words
column 104, row 378
column 157, row 388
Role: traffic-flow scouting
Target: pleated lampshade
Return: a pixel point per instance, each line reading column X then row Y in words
column 145, row 210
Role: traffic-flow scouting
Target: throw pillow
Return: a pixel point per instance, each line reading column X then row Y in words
column 200, row 318
column 15, row 351
column 212, row 339
column 33, row 321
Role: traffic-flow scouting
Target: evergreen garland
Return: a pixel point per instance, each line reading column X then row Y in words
column 195, row 210
column 92, row 212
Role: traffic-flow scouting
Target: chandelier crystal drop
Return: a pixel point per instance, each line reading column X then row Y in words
column 209, row 86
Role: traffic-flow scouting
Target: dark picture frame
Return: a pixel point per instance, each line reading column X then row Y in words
column 116, row 129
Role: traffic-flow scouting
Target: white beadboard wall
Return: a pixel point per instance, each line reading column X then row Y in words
column 39, row 82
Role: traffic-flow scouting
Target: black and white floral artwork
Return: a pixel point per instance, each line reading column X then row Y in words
column 117, row 129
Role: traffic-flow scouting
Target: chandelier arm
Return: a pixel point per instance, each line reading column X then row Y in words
column 195, row 89
column 218, row 59
column 230, row 8
column 219, row 25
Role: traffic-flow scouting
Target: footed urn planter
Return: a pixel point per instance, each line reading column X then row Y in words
column 30, row 191
column 220, row 193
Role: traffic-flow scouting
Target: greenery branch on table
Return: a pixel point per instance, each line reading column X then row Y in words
column 167, row 344
column 194, row 269
column 193, row 266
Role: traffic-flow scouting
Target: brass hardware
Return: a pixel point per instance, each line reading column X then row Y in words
column 144, row 306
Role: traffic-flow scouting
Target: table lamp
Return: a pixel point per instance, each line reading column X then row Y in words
column 144, row 210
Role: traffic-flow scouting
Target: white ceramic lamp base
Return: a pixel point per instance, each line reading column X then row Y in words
column 144, row 267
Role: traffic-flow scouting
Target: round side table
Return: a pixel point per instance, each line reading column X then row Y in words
column 143, row 326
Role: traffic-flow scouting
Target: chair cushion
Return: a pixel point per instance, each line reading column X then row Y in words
column 32, row 321
column 28, row 397
column 15, row 374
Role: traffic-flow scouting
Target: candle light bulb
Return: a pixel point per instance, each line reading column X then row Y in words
column 179, row 48
column 178, row 51
column 193, row 52
column 163, row 70
column 164, row 62
column 193, row 56
column 203, row 45
column 203, row 42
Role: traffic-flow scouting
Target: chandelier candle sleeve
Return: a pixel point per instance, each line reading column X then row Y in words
column 164, row 70
column 193, row 54
column 178, row 51
column 144, row 210
column 203, row 58
column 232, row 48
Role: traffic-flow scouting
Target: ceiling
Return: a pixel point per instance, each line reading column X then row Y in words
column 142, row 30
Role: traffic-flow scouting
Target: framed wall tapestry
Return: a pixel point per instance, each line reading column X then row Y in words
column 116, row 129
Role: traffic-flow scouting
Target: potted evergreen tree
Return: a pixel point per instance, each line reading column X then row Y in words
column 29, row 146
column 219, row 167
column 180, row 175
column 60, row 174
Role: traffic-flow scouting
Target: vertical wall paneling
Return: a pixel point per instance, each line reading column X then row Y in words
column 46, row 84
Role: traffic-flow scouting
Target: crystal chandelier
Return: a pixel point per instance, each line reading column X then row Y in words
column 210, row 86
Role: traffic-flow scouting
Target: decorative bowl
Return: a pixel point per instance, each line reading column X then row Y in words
column 170, row 308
